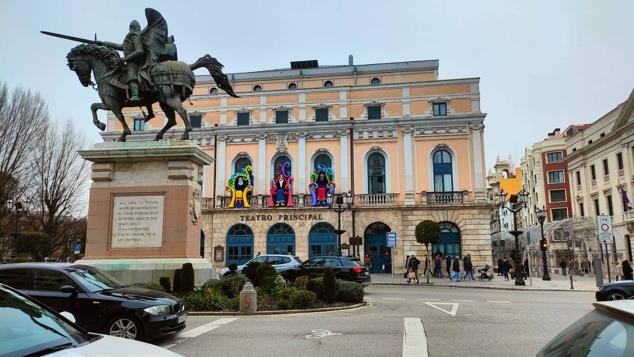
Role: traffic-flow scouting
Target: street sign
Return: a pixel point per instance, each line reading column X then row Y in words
column 77, row 248
column 604, row 226
column 391, row 239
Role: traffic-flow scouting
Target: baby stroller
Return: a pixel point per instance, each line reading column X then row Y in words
column 484, row 273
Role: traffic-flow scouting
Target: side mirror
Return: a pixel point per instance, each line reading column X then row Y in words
column 68, row 316
column 68, row 289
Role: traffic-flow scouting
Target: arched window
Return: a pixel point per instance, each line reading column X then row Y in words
column 376, row 248
column 213, row 91
column 376, row 173
column 241, row 163
column 292, row 86
column 257, row 88
column 322, row 159
column 322, row 240
column 449, row 241
column 375, row 81
column 280, row 239
column 443, row 171
column 328, row 84
column 279, row 162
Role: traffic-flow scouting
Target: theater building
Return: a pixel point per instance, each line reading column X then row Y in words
column 399, row 143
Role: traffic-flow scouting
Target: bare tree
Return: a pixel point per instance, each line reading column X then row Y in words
column 59, row 178
column 23, row 119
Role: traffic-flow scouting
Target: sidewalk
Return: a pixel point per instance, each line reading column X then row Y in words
column 557, row 283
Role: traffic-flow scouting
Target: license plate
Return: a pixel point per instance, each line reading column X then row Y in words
column 367, row 272
column 182, row 318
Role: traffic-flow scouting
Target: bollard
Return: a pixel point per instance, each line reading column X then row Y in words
column 571, row 286
column 248, row 299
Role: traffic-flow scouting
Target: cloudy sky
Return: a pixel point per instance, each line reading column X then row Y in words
column 542, row 64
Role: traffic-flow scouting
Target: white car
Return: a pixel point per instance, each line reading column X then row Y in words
column 280, row 262
column 29, row 328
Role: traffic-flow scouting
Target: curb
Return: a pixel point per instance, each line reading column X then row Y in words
column 484, row 287
column 282, row 312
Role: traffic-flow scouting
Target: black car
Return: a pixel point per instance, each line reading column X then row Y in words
column 606, row 331
column 618, row 290
column 344, row 268
column 98, row 302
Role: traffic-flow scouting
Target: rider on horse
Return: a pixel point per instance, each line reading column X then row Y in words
column 132, row 48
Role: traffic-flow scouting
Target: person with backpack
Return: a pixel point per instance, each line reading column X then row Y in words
column 413, row 267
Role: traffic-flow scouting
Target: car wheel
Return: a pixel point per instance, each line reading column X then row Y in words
column 125, row 327
column 617, row 295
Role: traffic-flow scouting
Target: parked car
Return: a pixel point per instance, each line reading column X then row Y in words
column 98, row 302
column 617, row 290
column 344, row 268
column 279, row 261
column 606, row 331
column 35, row 329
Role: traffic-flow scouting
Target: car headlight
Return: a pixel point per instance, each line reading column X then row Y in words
column 158, row 310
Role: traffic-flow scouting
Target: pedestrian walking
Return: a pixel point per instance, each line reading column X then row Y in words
column 367, row 262
column 468, row 267
column 413, row 265
column 448, row 266
column 506, row 266
column 437, row 265
column 500, row 262
column 627, row 270
column 618, row 272
column 455, row 267
column 563, row 266
column 406, row 267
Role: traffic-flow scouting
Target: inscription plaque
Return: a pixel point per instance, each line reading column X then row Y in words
column 137, row 222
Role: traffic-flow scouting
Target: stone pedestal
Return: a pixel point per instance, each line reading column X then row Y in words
column 144, row 209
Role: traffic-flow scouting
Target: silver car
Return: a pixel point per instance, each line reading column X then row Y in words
column 280, row 262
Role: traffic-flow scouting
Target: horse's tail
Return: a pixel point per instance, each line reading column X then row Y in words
column 215, row 69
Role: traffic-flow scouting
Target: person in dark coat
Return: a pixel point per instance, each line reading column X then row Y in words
column 437, row 264
column 468, row 267
column 455, row 267
column 627, row 270
column 413, row 266
column 500, row 262
column 506, row 266
column 448, row 267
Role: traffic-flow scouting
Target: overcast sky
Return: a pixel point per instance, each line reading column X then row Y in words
column 542, row 64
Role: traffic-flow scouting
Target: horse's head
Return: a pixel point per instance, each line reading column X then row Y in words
column 83, row 59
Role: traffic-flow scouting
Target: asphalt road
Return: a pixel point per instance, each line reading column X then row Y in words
column 456, row 322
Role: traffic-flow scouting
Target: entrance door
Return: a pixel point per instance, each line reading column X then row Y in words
column 449, row 242
column 322, row 240
column 376, row 249
column 239, row 244
column 280, row 239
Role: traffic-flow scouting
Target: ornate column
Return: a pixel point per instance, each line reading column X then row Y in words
column 408, row 158
column 261, row 180
column 301, row 162
column 343, row 158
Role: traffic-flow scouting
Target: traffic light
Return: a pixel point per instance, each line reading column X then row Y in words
column 543, row 244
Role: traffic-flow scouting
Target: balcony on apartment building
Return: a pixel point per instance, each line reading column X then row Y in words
column 453, row 198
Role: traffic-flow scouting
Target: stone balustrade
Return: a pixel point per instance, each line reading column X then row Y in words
column 377, row 199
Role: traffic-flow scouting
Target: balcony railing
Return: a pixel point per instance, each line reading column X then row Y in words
column 377, row 199
column 628, row 216
column 444, row 198
column 255, row 201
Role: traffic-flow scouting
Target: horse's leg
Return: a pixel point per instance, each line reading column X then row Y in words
column 150, row 113
column 116, row 110
column 174, row 102
column 94, row 107
column 171, row 120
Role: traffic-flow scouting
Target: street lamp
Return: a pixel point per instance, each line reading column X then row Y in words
column 17, row 208
column 543, row 244
column 516, row 203
column 339, row 203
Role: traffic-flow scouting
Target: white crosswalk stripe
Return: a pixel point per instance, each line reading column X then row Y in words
column 414, row 338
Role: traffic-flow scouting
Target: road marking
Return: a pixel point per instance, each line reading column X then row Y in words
column 414, row 339
column 463, row 300
column 393, row 299
column 428, row 299
column 454, row 307
column 321, row 333
column 499, row 301
column 195, row 332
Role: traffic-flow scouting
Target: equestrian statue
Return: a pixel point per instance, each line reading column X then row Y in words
column 149, row 72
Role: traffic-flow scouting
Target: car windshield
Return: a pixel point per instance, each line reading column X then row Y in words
column 595, row 335
column 32, row 328
column 93, row 279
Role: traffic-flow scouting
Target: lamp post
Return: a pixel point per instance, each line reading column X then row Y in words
column 17, row 208
column 543, row 244
column 516, row 203
column 339, row 203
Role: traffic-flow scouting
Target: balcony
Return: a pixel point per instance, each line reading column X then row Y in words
column 444, row 198
column 377, row 199
column 255, row 201
column 628, row 216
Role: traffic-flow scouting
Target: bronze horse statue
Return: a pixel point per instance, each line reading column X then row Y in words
column 170, row 84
